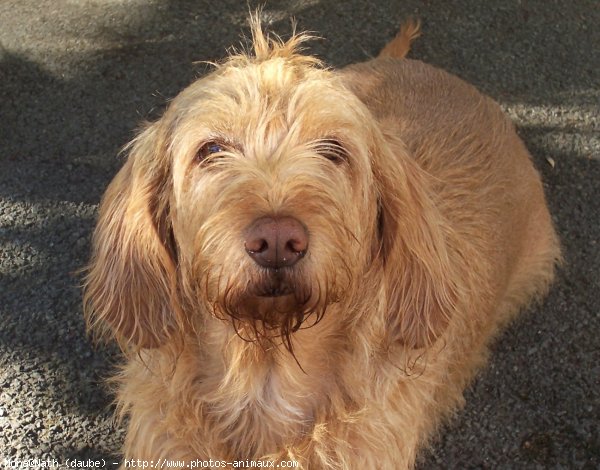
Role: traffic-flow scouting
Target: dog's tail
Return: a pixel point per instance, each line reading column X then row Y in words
column 400, row 45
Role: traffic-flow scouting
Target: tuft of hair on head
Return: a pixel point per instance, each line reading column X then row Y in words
column 267, row 45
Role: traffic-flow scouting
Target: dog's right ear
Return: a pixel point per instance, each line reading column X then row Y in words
column 129, row 288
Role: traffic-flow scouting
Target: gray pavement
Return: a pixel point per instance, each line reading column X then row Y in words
column 77, row 77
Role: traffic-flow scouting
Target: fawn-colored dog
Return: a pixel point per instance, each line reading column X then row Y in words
column 307, row 264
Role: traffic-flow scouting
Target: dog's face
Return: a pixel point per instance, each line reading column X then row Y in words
column 266, row 193
column 272, row 202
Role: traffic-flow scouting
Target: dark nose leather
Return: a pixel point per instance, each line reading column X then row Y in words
column 276, row 242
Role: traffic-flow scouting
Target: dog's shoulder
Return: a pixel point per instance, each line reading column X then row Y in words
column 388, row 85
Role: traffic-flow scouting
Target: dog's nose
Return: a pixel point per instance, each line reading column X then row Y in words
column 276, row 242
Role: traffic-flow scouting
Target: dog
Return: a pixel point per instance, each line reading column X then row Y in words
column 309, row 264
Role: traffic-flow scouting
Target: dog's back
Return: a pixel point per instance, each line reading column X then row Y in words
column 482, row 179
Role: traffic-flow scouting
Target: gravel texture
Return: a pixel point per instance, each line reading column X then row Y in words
column 77, row 77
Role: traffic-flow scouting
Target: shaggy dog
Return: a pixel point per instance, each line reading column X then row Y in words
column 307, row 264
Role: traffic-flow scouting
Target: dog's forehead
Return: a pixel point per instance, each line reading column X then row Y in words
column 234, row 98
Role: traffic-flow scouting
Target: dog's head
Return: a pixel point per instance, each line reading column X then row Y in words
column 266, row 193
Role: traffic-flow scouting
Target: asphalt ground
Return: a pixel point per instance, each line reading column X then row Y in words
column 77, row 77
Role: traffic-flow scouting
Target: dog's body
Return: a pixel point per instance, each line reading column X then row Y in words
column 417, row 227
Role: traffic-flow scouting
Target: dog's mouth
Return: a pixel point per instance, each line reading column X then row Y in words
column 275, row 298
column 276, row 292
column 274, row 287
column 272, row 304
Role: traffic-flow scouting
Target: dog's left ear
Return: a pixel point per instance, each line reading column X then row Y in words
column 420, row 288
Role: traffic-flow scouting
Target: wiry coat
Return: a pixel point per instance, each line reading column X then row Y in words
column 428, row 231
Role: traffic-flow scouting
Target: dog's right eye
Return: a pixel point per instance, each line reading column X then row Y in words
column 209, row 148
column 332, row 150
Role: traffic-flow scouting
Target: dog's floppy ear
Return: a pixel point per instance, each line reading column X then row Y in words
column 129, row 289
column 420, row 288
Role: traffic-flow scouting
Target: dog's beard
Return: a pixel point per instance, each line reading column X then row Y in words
column 268, row 306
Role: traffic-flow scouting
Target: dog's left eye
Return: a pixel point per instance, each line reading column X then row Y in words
column 209, row 148
column 332, row 150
